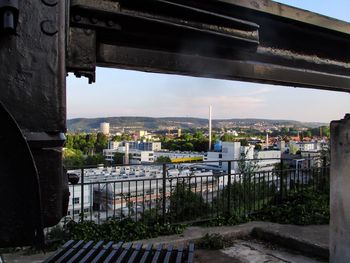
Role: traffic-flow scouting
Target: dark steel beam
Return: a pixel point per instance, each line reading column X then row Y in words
column 259, row 41
column 183, row 64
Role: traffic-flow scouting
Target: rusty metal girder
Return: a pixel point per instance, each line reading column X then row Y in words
column 259, row 41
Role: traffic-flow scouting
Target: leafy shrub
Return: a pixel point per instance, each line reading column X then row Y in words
column 185, row 205
column 299, row 208
column 115, row 230
column 212, row 241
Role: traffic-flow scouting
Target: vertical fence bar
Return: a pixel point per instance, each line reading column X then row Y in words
column 82, row 195
column 113, row 199
column 281, row 180
column 106, row 200
column 164, row 192
column 99, row 203
column 324, row 175
column 229, row 189
column 136, row 199
column 73, row 197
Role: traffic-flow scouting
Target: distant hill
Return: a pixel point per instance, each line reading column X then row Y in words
column 88, row 124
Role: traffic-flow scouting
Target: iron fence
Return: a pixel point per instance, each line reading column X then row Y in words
column 186, row 192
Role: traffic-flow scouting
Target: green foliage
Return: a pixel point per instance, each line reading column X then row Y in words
column 228, row 138
column 123, row 137
column 115, row 230
column 212, row 241
column 73, row 158
column 185, row 205
column 232, row 220
column 187, row 142
column 118, row 158
column 87, row 143
column 244, row 196
column 299, row 208
column 101, row 142
column 163, row 159
column 244, row 142
column 246, row 167
column 95, row 159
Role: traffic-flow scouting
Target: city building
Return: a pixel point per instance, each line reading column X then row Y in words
column 234, row 151
column 75, row 202
column 136, row 156
column 267, row 159
column 295, row 146
column 139, row 157
column 150, row 146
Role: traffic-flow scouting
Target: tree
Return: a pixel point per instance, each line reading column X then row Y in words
column 118, row 158
column 326, row 131
column 101, row 142
column 244, row 142
column 95, row 159
column 70, row 141
column 90, row 143
column 187, row 137
column 245, row 166
column 163, row 159
column 308, row 133
column 199, row 136
column 228, row 138
column 186, row 205
column 73, row 158
column 187, row 146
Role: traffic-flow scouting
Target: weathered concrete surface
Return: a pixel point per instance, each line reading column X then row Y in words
column 309, row 240
column 315, row 235
column 20, row 258
column 340, row 194
column 312, row 239
column 256, row 252
column 193, row 234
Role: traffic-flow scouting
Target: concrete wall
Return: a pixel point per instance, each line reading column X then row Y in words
column 340, row 191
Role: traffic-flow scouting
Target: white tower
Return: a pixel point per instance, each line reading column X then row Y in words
column 210, row 109
column 104, row 128
column 267, row 141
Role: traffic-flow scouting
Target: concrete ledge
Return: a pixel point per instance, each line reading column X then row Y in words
column 309, row 240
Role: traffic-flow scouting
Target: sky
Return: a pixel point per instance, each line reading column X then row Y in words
column 131, row 93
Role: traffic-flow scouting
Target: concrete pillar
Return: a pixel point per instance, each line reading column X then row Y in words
column 340, row 191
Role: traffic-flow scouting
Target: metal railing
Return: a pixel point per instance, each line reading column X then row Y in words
column 187, row 192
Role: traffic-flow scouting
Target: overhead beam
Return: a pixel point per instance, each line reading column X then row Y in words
column 259, row 41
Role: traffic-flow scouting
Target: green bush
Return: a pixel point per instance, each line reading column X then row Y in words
column 185, row 205
column 123, row 230
column 212, row 241
column 299, row 208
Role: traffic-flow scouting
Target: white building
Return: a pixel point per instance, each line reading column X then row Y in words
column 113, row 145
column 234, row 151
column 104, row 128
column 75, row 201
column 229, row 151
column 150, row 146
column 271, row 158
column 137, row 156
column 305, row 146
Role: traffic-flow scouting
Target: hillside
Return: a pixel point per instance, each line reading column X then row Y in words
column 88, row 124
